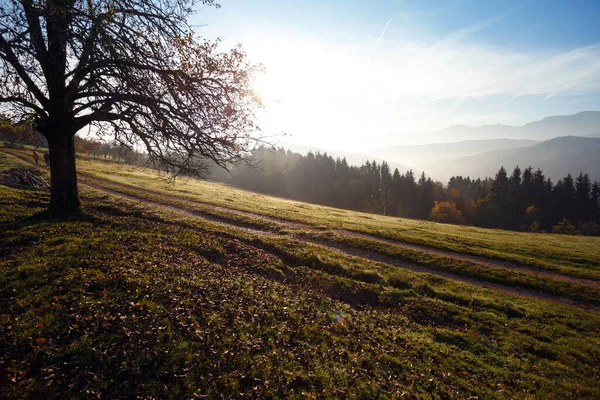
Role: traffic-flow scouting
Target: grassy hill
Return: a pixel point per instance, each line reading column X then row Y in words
column 196, row 289
column 543, row 251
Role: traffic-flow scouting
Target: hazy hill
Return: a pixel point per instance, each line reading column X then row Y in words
column 421, row 155
column 356, row 159
column 480, row 151
column 556, row 157
column 581, row 124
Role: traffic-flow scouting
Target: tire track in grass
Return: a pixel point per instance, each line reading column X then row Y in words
column 349, row 250
column 480, row 260
column 490, row 262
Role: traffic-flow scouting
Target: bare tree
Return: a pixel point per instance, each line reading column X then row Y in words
column 131, row 69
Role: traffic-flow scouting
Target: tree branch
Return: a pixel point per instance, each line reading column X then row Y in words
column 35, row 31
column 12, row 59
column 14, row 99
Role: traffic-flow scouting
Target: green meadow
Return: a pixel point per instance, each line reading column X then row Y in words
column 154, row 292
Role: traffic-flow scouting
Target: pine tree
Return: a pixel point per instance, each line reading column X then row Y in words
column 499, row 201
column 385, row 188
column 583, row 202
column 595, row 201
column 517, row 207
column 426, row 196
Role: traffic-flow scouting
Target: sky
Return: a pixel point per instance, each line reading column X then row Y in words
column 358, row 75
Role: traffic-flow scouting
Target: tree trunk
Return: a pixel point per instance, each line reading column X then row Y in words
column 64, row 196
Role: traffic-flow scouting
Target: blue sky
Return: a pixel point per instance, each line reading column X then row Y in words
column 335, row 79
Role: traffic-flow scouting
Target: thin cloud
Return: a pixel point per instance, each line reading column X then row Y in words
column 463, row 33
column 344, row 91
column 382, row 33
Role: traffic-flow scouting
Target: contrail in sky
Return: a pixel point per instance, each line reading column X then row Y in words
column 382, row 32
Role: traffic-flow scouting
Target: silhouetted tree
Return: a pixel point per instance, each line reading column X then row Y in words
column 133, row 70
column 515, row 198
column 564, row 197
column 583, row 205
column 426, row 196
column 385, row 189
column 595, row 200
column 407, row 204
column 500, row 211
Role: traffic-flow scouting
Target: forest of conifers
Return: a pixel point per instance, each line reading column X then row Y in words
column 519, row 200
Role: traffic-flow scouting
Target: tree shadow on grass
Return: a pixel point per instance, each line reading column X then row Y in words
column 329, row 280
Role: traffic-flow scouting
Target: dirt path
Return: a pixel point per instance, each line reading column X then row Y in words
column 349, row 250
column 495, row 263
column 101, row 185
column 280, row 221
column 490, row 262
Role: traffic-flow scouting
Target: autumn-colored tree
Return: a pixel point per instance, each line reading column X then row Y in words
column 19, row 133
column 132, row 69
column 565, row 227
column 532, row 219
column 446, row 211
column 84, row 146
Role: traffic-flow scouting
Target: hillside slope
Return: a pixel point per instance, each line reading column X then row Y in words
column 423, row 155
column 556, row 158
column 133, row 299
column 579, row 255
column 155, row 292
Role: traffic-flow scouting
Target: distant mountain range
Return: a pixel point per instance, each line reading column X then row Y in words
column 585, row 123
column 556, row 158
column 558, row 145
column 421, row 155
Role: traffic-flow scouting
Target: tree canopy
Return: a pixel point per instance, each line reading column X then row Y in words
column 134, row 71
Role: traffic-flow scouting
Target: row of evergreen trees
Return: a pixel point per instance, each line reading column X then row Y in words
column 523, row 200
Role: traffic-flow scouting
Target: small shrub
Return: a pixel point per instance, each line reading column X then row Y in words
column 535, row 227
column 589, row 228
column 565, row 227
